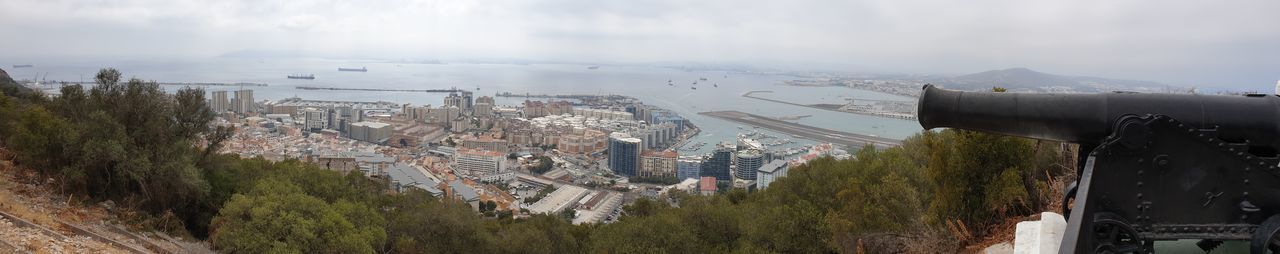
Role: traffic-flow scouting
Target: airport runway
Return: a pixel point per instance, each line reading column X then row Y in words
column 804, row 131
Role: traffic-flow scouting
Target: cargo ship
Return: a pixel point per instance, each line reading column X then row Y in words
column 362, row 69
column 593, row 67
column 22, row 66
column 302, row 76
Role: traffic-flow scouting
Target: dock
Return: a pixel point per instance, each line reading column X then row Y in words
column 804, row 131
column 382, row 90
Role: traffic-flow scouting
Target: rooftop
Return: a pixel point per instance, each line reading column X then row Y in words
column 464, row 190
column 663, row 154
column 374, row 125
column 707, row 183
column 467, row 151
column 558, row 200
column 773, row 166
column 411, row 176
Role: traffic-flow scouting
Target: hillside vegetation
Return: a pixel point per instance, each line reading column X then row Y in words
column 157, row 153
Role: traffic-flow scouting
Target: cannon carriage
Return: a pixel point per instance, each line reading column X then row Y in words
column 1153, row 166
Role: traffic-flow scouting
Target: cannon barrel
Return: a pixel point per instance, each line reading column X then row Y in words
column 1088, row 118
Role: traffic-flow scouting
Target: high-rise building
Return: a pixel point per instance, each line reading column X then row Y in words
column 718, row 164
column 533, row 109
column 770, row 173
column 749, row 161
column 555, row 108
column 624, row 154
column 219, row 102
column 484, row 106
column 688, row 167
column 467, row 101
column 243, row 103
column 314, row 119
column 479, row 162
column 670, row 117
column 462, row 101
column 655, row 163
column 334, row 120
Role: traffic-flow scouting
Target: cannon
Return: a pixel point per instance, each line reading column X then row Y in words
column 1153, row 167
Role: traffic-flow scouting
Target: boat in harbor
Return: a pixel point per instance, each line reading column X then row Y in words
column 361, row 69
column 302, row 76
column 22, row 66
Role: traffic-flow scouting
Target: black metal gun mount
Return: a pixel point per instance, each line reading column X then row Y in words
column 1153, row 167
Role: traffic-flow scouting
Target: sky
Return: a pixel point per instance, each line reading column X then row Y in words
column 1185, row 42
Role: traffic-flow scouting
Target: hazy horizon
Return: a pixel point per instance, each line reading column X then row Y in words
column 1189, row 43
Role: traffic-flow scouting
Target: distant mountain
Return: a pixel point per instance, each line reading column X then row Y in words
column 1023, row 79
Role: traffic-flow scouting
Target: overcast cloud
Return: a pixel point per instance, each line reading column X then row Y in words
column 1235, row 43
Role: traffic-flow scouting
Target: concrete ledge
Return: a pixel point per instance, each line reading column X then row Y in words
column 1043, row 236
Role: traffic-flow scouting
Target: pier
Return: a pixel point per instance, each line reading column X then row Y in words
column 804, row 131
column 382, row 89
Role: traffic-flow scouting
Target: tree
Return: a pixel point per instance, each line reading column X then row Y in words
column 976, row 175
column 277, row 217
column 644, row 207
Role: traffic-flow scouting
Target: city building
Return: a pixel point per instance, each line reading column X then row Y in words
column 582, row 141
column 689, row 185
column 484, row 106
column 624, row 154
column 707, row 185
column 718, row 165
column 770, row 173
column 342, row 164
column 485, row 142
column 352, row 109
column 498, row 177
column 565, row 197
column 688, row 167
column 243, row 102
column 369, row 132
column 456, row 100
column 669, row 117
column 479, row 162
column 461, row 124
column 415, row 112
column 315, row 120
column 655, row 163
column 219, row 102
column 592, row 113
column 443, row 115
column 404, row 176
column 467, row 100
column 415, row 134
column 656, row 136
column 534, row 109
column 335, row 120
column 465, row 193
column 555, row 108
column 748, row 162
